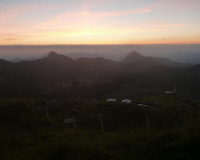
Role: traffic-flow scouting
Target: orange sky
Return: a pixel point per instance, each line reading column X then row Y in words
column 32, row 22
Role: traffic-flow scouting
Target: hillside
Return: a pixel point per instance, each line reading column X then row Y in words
column 58, row 76
column 158, row 80
column 172, row 130
column 171, row 63
column 112, row 54
column 133, row 57
column 4, row 63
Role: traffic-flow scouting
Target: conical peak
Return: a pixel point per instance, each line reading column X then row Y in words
column 52, row 54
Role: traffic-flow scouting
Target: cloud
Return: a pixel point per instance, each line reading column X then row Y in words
column 57, row 33
column 159, row 26
column 12, row 11
column 176, row 5
column 89, row 4
column 74, row 32
column 7, row 35
column 10, row 15
column 78, row 18
column 95, row 16
column 101, row 30
column 83, row 20
column 34, row 34
column 162, row 24
column 11, row 39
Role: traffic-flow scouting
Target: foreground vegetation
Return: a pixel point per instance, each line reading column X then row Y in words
column 172, row 131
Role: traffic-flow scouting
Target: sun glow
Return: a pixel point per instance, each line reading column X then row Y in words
column 95, row 23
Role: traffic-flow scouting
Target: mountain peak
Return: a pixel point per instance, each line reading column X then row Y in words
column 134, row 53
column 52, row 54
column 132, row 57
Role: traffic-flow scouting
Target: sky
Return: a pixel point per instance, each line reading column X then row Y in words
column 44, row 22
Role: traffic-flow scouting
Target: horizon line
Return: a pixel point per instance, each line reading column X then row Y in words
column 97, row 44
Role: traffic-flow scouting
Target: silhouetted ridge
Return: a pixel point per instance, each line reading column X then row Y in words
column 132, row 57
column 4, row 63
column 52, row 54
column 139, row 59
column 171, row 63
column 58, row 76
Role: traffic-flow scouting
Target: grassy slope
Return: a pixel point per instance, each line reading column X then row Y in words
column 173, row 131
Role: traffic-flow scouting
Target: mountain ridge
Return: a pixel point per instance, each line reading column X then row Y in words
column 133, row 57
column 60, row 76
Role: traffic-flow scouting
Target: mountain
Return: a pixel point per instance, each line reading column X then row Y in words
column 16, row 60
column 133, row 57
column 145, row 62
column 25, row 59
column 82, row 55
column 4, row 64
column 140, row 62
column 171, row 63
column 159, row 79
column 112, row 54
column 58, row 76
column 54, row 56
column 30, row 58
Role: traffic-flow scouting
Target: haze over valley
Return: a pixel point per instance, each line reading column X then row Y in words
column 179, row 53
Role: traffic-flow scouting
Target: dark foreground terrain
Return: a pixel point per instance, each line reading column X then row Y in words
column 164, row 127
